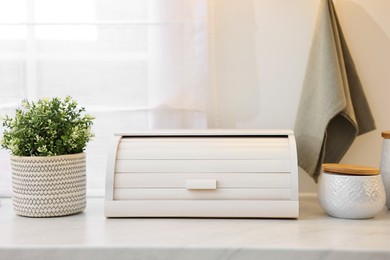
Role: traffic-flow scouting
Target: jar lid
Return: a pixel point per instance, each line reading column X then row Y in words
column 349, row 169
column 386, row 134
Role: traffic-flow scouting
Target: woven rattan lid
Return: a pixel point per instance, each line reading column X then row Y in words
column 349, row 169
column 386, row 134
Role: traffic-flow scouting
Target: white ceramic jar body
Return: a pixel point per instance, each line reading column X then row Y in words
column 385, row 169
column 351, row 196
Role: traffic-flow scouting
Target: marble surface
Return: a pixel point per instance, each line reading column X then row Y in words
column 90, row 235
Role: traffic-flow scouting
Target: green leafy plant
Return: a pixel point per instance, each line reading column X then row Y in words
column 47, row 127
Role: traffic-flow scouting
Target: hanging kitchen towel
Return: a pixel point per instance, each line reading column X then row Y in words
column 333, row 108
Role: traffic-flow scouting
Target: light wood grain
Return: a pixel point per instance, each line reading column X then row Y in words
column 350, row 169
column 386, row 134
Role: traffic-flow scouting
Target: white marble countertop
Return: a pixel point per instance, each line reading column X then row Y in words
column 90, row 235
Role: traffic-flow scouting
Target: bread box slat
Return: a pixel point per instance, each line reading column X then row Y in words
column 205, row 148
column 202, row 167
column 219, row 194
column 178, row 180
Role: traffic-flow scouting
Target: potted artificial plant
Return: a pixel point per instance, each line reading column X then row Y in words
column 46, row 140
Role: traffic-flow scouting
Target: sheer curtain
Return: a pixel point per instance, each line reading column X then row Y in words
column 178, row 71
column 133, row 64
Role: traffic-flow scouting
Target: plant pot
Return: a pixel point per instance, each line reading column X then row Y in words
column 49, row 186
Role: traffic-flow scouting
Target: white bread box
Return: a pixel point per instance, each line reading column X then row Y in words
column 203, row 173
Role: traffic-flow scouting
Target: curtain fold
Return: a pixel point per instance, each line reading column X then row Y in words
column 178, row 64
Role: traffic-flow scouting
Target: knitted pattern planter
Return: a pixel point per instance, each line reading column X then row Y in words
column 49, row 186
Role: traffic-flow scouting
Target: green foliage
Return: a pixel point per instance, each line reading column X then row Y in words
column 46, row 128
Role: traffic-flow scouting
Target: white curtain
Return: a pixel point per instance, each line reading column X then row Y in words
column 133, row 64
column 178, row 48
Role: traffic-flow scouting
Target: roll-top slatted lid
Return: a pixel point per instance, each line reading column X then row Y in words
column 203, row 154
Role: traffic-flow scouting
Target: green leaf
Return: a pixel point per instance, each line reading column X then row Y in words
column 47, row 127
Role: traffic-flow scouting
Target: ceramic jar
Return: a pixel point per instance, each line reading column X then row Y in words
column 350, row 191
column 385, row 165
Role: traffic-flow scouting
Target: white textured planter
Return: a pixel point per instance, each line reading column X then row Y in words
column 49, row 186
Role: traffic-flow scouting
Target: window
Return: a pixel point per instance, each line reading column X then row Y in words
column 133, row 64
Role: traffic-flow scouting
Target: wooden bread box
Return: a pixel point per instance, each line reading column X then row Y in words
column 203, row 173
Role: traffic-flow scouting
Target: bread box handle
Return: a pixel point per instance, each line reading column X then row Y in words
column 201, row 184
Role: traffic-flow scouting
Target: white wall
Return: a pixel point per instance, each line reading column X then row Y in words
column 261, row 50
column 366, row 26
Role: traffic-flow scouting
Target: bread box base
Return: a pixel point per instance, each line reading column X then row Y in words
column 203, row 173
column 203, row 209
